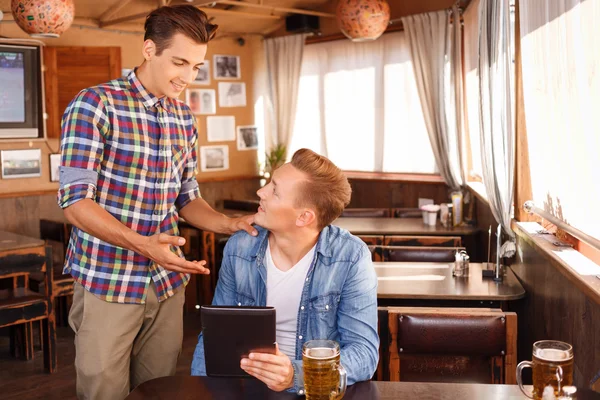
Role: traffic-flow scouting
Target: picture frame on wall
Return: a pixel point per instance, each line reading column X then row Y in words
column 201, row 101
column 227, row 67
column 232, row 94
column 21, row 163
column 54, row 167
column 220, row 128
column 214, row 158
column 203, row 77
column 247, row 137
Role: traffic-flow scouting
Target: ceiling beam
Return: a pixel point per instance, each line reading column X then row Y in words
column 209, row 11
column 76, row 21
column 117, row 6
column 271, row 9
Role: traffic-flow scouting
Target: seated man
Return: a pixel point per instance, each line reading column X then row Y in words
column 319, row 278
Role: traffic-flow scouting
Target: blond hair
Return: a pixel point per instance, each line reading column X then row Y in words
column 326, row 188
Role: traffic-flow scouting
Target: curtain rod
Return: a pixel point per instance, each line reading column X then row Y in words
column 531, row 208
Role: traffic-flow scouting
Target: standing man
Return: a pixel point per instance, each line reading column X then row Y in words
column 128, row 169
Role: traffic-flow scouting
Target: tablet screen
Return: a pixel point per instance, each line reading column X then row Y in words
column 232, row 332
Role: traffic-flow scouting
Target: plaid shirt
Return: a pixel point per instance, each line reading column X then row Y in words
column 134, row 155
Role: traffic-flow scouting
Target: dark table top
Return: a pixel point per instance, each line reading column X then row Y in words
column 193, row 387
column 399, row 226
column 10, row 241
column 420, row 280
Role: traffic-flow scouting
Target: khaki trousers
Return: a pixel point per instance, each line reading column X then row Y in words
column 118, row 346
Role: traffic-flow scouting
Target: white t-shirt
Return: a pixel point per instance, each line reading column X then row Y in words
column 284, row 291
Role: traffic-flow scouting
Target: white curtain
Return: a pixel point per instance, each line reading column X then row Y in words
column 496, row 113
column 284, row 61
column 560, row 53
column 436, row 54
column 358, row 104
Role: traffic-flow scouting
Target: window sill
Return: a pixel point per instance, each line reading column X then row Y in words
column 478, row 189
column 390, row 176
column 577, row 268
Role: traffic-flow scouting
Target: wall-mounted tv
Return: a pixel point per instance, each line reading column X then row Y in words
column 21, row 109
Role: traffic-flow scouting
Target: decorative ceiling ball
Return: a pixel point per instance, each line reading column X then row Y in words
column 362, row 20
column 43, row 18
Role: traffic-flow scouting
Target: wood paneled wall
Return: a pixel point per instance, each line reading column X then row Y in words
column 384, row 193
column 554, row 308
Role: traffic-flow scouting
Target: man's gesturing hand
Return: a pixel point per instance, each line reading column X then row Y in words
column 158, row 249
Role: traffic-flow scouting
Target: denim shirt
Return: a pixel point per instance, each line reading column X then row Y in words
column 339, row 298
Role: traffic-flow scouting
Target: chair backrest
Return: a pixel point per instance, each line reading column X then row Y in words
column 241, row 205
column 452, row 345
column 420, row 253
column 407, row 212
column 431, row 241
column 367, row 212
column 375, row 243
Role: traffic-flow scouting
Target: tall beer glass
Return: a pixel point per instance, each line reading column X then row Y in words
column 324, row 376
column 552, row 365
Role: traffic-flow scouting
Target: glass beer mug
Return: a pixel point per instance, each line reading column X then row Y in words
column 324, row 375
column 552, row 365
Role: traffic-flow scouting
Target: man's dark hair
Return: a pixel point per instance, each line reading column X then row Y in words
column 164, row 22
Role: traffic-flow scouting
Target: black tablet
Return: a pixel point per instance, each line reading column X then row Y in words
column 231, row 333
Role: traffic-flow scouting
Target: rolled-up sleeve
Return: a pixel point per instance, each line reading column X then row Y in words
column 85, row 125
column 189, row 185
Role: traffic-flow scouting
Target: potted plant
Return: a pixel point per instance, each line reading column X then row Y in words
column 274, row 159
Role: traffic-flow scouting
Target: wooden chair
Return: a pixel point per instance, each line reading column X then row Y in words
column 419, row 253
column 407, row 212
column 367, row 213
column 452, row 345
column 374, row 242
column 429, row 241
column 57, row 234
column 20, row 306
column 241, row 205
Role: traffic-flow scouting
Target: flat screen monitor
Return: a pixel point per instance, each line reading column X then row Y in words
column 20, row 92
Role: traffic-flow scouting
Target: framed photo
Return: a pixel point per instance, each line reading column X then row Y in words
column 232, row 94
column 201, row 101
column 54, row 167
column 220, row 129
column 214, row 158
column 247, row 137
column 203, row 77
column 21, row 163
column 227, row 67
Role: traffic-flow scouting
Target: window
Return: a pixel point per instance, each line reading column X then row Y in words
column 561, row 91
column 358, row 105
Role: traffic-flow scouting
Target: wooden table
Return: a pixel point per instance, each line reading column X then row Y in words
column 193, row 387
column 400, row 226
column 407, row 283
column 10, row 242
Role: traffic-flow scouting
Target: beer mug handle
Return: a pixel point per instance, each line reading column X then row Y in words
column 559, row 378
column 343, row 381
column 523, row 364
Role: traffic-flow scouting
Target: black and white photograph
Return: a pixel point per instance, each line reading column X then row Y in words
column 201, row 101
column 214, row 158
column 232, row 94
column 203, row 77
column 54, row 167
column 220, row 129
column 247, row 136
column 21, row 163
column 227, row 67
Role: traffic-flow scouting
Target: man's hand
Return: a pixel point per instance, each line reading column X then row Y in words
column 275, row 370
column 158, row 249
column 243, row 223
